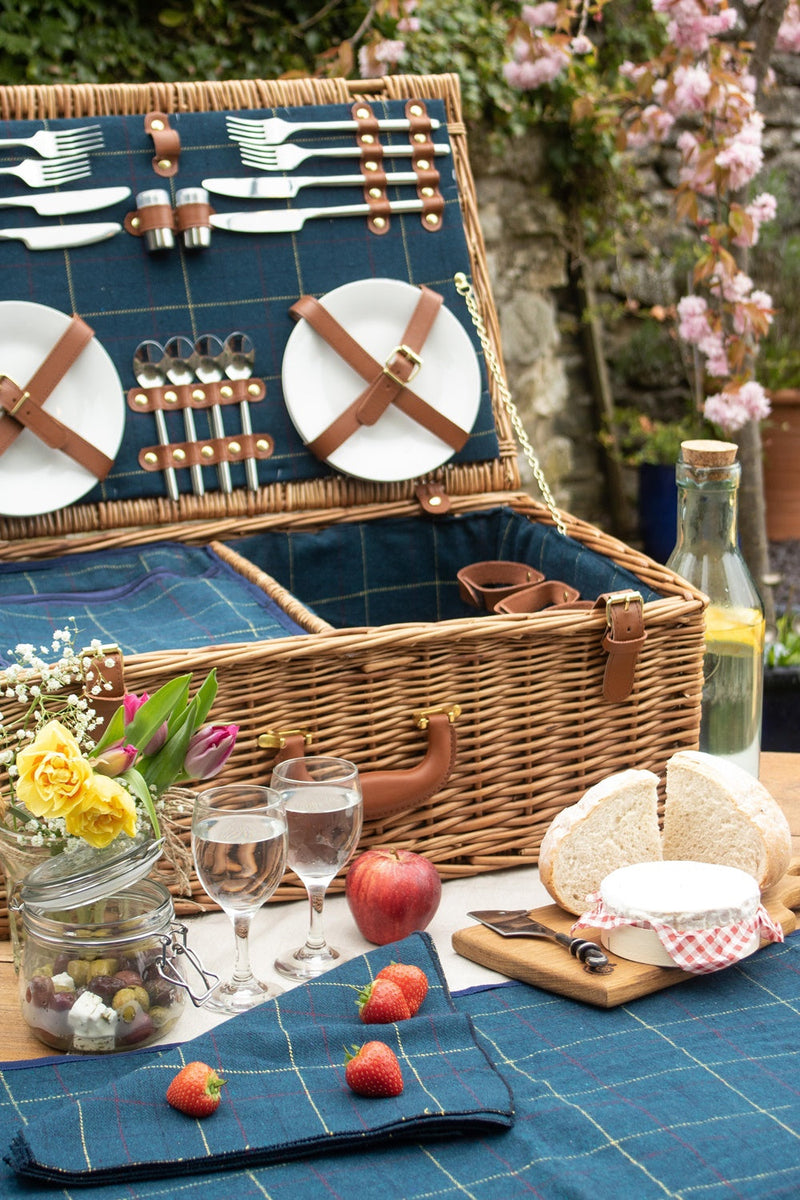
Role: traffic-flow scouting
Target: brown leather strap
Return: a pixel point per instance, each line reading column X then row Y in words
column 166, row 141
column 196, row 395
column 388, row 383
column 624, row 637
column 192, row 216
column 21, row 407
column 207, row 453
column 152, row 216
column 550, row 593
column 484, row 584
column 72, row 342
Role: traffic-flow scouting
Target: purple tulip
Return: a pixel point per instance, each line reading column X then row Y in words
column 209, row 749
column 115, row 759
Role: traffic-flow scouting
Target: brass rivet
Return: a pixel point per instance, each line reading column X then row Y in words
column 375, row 192
column 368, row 139
column 234, row 448
column 434, row 501
column 140, row 398
column 157, row 125
column 422, row 164
column 416, row 110
column 151, row 458
column 427, row 191
column 261, row 444
column 171, row 397
column 179, row 455
column 226, row 392
column 198, row 394
column 253, row 389
column 207, row 451
column 370, row 166
column 420, row 137
column 379, row 222
column 135, row 222
column 165, row 163
column 432, row 218
column 362, row 113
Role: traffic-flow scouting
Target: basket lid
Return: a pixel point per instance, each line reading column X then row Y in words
column 82, row 873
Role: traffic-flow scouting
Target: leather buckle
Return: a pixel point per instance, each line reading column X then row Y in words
column 624, row 598
column 403, row 351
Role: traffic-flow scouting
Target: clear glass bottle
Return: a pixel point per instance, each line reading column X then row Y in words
column 708, row 556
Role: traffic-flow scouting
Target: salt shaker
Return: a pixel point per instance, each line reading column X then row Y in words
column 159, row 236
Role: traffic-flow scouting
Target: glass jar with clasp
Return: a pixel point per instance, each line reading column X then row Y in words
column 102, row 960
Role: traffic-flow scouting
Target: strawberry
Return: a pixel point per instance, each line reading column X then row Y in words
column 195, row 1090
column 412, row 981
column 373, row 1070
column 382, row 1002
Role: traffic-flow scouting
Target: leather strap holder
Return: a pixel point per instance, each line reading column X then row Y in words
column 550, row 593
column 207, row 453
column 388, row 792
column 428, row 178
column 387, row 384
column 623, row 639
column 484, row 584
column 154, row 216
column 432, row 497
column 105, row 682
column 23, row 406
column 192, row 216
column 196, row 395
column 367, row 136
column 167, row 143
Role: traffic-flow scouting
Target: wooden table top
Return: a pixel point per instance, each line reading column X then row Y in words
column 780, row 774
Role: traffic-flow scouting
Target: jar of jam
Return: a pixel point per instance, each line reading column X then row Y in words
column 101, row 967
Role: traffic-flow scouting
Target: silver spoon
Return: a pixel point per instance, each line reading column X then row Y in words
column 177, row 367
column 238, row 358
column 206, row 364
column 147, row 359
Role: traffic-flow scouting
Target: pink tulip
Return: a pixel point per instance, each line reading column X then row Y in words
column 209, row 749
column 131, row 704
column 115, row 759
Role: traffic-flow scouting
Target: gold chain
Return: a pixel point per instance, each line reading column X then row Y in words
column 465, row 290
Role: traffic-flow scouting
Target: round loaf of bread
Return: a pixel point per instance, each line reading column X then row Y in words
column 614, row 824
column 716, row 812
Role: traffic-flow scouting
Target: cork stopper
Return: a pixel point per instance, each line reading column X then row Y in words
column 709, row 453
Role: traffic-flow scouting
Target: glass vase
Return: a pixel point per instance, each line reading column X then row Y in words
column 17, row 858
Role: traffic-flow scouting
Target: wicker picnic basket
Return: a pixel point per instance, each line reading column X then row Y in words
column 522, row 695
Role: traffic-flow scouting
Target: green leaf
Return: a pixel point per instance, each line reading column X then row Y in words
column 158, row 709
column 140, row 789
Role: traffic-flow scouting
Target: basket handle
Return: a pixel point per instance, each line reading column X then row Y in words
column 389, row 792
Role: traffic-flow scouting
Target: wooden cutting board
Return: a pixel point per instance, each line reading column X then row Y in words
column 548, row 965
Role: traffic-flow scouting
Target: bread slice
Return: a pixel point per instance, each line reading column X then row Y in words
column 614, row 824
column 716, row 812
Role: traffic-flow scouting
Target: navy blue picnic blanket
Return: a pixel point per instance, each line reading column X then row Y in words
column 690, row 1093
column 241, row 282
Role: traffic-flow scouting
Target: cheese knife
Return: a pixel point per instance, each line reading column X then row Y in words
column 269, row 187
column 62, row 237
column 516, row 922
column 290, row 220
column 63, row 204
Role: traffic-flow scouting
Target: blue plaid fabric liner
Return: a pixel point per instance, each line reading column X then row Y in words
column 131, row 596
column 689, row 1094
column 241, row 282
column 285, row 1094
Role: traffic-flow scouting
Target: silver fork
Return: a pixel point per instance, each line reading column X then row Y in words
column 55, row 145
column 286, row 158
column 274, row 130
column 48, row 174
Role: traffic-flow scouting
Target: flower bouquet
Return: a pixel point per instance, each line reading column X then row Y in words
column 69, row 782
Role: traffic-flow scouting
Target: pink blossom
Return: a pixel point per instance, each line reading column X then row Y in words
column 408, row 25
column 732, row 408
column 540, row 16
column 530, row 74
column 712, row 347
column 743, row 156
column 693, row 323
column 581, row 44
column 788, row 39
column 389, row 51
column 692, row 85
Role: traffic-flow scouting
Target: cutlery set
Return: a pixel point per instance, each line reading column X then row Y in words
column 210, row 362
column 64, row 158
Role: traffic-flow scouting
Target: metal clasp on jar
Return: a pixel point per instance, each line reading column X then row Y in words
column 177, row 948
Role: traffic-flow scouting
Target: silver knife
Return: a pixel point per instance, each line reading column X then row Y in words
column 62, row 237
column 515, row 922
column 63, row 204
column 269, row 187
column 289, row 220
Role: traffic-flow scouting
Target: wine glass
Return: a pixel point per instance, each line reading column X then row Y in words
column 322, row 801
column 239, row 848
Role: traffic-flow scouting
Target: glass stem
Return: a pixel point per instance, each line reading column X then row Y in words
column 242, row 971
column 316, row 902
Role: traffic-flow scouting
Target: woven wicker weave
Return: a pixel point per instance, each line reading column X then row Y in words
column 534, row 731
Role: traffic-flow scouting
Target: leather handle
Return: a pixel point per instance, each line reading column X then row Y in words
column 389, row 792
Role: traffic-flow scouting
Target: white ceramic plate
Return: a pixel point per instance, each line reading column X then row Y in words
column 318, row 385
column 33, row 477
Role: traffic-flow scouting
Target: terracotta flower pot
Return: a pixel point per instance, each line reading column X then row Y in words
column 781, row 442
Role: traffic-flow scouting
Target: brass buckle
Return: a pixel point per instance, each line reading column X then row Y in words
column 422, row 716
column 405, row 352
column 625, row 598
column 275, row 739
column 25, row 395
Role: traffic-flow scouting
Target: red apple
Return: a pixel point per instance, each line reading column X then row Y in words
column 391, row 893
